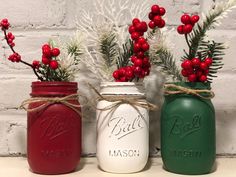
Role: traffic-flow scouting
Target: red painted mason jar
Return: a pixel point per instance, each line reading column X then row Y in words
column 54, row 132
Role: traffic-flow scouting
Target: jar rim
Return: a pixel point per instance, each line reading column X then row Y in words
column 107, row 84
column 42, row 83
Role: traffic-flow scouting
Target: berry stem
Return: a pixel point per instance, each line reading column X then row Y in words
column 24, row 62
column 186, row 38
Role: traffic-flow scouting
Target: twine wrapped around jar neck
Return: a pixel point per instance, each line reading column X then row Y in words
column 172, row 89
column 134, row 101
column 47, row 101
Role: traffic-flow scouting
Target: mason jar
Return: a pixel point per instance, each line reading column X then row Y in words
column 123, row 130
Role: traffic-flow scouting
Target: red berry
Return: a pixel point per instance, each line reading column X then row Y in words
column 123, row 79
column 206, row 72
column 190, row 71
column 155, row 9
column 142, row 74
column 138, row 27
column 188, row 28
column 135, row 35
column 135, row 21
column 141, row 40
column 12, row 44
column 137, row 47
column 192, row 78
column 45, row 60
column 187, row 64
column 10, row 36
column 140, row 54
column 157, row 20
column 127, row 68
column 203, row 78
column 36, row 64
column 53, row 64
column 162, row 11
column 186, row 19
column 133, row 58
column 137, row 70
column 141, row 33
column 184, row 72
column 151, row 24
column 151, row 16
column 208, row 61
column 145, row 61
column 144, row 26
column 194, row 19
column 199, row 73
column 162, row 24
column 46, row 46
column 131, row 29
column 203, row 66
column 196, row 62
column 4, row 23
column 129, row 74
column 116, row 74
column 145, row 47
column 47, row 52
column 180, row 29
column 138, row 62
column 122, row 72
column 9, row 40
column 55, row 52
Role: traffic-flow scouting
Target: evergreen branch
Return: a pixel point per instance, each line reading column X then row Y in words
column 124, row 56
column 168, row 64
column 108, row 48
column 211, row 20
column 215, row 51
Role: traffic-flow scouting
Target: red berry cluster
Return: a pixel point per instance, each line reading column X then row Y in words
column 10, row 38
column 137, row 28
column 195, row 69
column 156, row 17
column 15, row 57
column 4, row 24
column 188, row 23
column 141, row 64
column 48, row 54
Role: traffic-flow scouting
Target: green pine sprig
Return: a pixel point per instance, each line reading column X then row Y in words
column 108, row 48
column 196, row 38
column 215, row 51
column 124, row 54
column 168, row 64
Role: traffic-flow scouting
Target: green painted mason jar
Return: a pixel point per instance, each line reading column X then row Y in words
column 188, row 132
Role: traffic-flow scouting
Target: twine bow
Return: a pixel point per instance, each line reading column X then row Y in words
column 172, row 89
column 47, row 101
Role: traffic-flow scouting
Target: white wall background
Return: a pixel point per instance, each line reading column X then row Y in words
column 36, row 21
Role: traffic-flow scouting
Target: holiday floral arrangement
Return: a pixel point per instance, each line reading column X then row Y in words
column 203, row 58
column 112, row 52
column 55, row 64
column 115, row 51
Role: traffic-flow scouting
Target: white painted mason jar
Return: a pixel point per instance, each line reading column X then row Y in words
column 122, row 133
